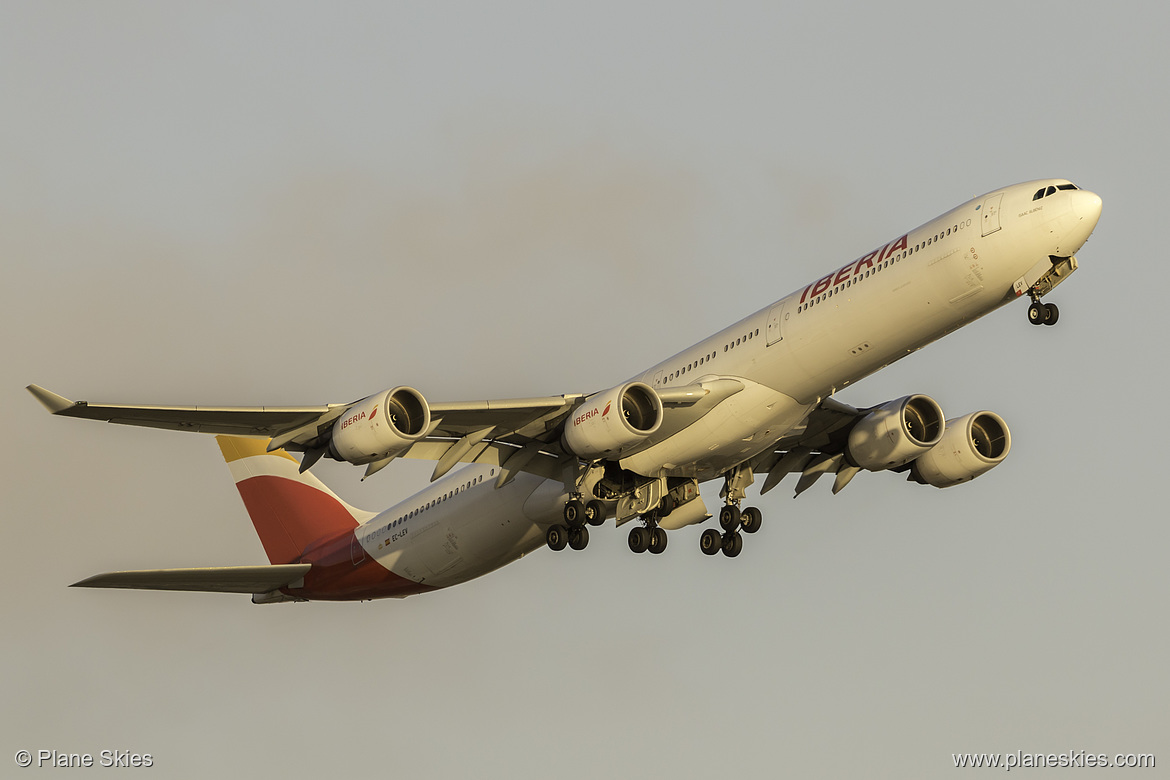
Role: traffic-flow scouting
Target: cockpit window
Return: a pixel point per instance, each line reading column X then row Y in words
column 1045, row 192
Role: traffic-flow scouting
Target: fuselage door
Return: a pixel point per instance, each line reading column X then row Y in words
column 776, row 324
column 357, row 553
column 990, row 219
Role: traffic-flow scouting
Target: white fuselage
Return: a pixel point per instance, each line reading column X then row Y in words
column 789, row 356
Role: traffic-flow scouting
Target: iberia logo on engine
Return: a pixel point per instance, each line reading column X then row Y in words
column 353, row 419
column 591, row 413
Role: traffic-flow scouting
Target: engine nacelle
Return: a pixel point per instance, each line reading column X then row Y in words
column 971, row 446
column 896, row 433
column 380, row 426
column 610, row 422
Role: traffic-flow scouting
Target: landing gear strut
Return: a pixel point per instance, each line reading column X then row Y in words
column 731, row 518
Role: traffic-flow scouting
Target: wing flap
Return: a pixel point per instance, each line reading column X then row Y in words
column 213, row 579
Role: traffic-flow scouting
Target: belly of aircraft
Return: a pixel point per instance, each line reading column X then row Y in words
column 739, row 428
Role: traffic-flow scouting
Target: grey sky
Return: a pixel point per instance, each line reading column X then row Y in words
column 291, row 203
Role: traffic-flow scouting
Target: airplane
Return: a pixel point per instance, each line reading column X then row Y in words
column 756, row 398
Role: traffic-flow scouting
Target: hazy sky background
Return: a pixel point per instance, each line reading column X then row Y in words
column 287, row 203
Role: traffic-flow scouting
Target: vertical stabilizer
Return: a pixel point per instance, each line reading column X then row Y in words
column 290, row 510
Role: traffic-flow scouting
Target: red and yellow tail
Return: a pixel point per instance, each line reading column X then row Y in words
column 290, row 510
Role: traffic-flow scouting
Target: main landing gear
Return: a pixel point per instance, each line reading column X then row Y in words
column 649, row 538
column 1040, row 313
column 574, row 532
column 732, row 521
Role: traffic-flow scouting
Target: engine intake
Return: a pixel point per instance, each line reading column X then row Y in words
column 971, row 446
column 896, row 433
column 380, row 426
column 613, row 421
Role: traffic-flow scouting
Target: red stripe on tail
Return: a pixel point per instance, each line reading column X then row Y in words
column 290, row 516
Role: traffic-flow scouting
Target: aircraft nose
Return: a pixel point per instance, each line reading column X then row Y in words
column 1087, row 207
column 1080, row 223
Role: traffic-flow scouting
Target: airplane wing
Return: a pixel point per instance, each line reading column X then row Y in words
column 518, row 434
column 215, row 579
column 232, row 420
column 491, row 432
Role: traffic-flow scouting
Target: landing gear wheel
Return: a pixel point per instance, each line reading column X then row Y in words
column 639, row 539
column 579, row 538
column 595, row 513
column 1037, row 313
column 751, row 518
column 1051, row 314
column 732, row 544
column 729, row 517
column 657, row 541
column 710, row 542
column 574, row 513
column 557, row 537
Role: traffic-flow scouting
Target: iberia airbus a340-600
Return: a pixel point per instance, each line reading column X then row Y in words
column 753, row 399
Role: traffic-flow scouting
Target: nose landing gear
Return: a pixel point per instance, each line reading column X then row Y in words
column 1040, row 313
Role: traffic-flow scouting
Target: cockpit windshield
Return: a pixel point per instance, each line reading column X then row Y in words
column 1044, row 192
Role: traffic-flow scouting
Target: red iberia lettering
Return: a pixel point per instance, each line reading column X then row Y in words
column 897, row 246
column 822, row 285
column 583, row 417
column 353, row 419
column 843, row 275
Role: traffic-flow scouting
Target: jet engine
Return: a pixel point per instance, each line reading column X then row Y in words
column 613, row 421
column 381, row 426
column 971, row 446
column 895, row 433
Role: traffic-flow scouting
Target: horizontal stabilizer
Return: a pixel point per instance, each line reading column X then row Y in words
column 213, row 579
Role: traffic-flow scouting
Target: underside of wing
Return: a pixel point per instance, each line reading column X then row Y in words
column 906, row 435
column 813, row 448
column 216, row 579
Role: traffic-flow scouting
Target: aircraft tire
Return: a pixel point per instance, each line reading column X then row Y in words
column 556, row 537
column 595, row 513
column 658, row 540
column 729, row 517
column 1037, row 313
column 639, row 540
column 751, row 519
column 579, row 538
column 1051, row 314
column 710, row 542
column 732, row 544
column 574, row 513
